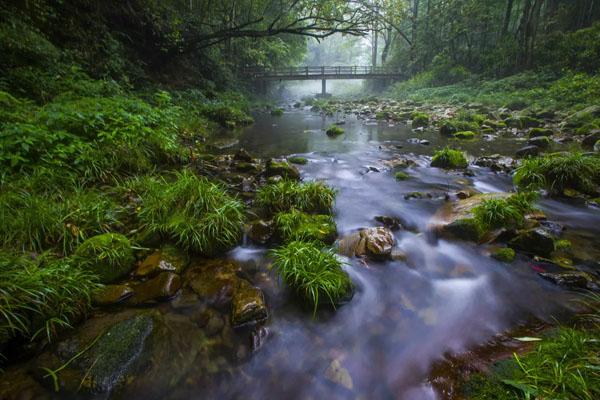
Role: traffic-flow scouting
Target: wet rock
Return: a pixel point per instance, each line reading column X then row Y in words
column 129, row 354
column 528, row 151
column 392, row 223
column 162, row 287
column 260, row 231
column 337, row 374
column 398, row 255
column 283, row 169
column 537, row 241
column 572, row 280
column 247, row 167
column 214, row 281
column 373, row 242
column 591, row 139
column 538, row 132
column 167, row 259
column 242, row 155
column 505, row 254
column 111, row 294
column 399, row 162
column 248, row 305
column 542, row 142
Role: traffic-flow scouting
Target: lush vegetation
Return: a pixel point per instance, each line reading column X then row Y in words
column 449, row 158
column 296, row 225
column 286, row 195
column 503, row 212
column 314, row 273
column 109, row 256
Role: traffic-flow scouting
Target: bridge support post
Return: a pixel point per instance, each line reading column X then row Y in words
column 323, row 87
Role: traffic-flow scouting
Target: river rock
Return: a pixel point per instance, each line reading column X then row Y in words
column 591, row 139
column 373, row 242
column 496, row 162
column 537, row 241
column 542, row 142
column 248, row 305
column 214, row 281
column 392, row 223
column 528, row 151
column 162, row 287
column 135, row 353
column 260, row 231
column 242, row 155
column 572, row 280
column 167, row 259
column 283, row 169
column 111, row 294
column 337, row 374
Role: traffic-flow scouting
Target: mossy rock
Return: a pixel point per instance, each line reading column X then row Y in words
column 283, row 169
column 297, row 160
column 465, row 135
column 277, row 112
column 536, row 132
column 419, row 119
column 108, row 255
column 505, row 254
column 381, row 115
column 334, row 130
column 524, row 121
column 449, row 159
column 494, row 124
column 542, row 142
column 297, row 225
column 401, row 176
column 447, row 128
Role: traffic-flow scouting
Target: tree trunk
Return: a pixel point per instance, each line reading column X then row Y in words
column 509, row 7
column 415, row 25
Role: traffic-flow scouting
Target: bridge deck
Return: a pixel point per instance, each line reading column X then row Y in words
column 323, row 72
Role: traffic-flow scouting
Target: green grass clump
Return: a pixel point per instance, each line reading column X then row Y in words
column 314, row 273
column 296, row 225
column 506, row 212
column 277, row 112
column 197, row 214
column 557, row 172
column 449, row 158
column 109, row 256
column 401, row 176
column 564, row 365
column 297, row 160
column 419, row 119
column 41, row 296
column 334, row 130
column 311, row 197
column 465, row 135
column 505, row 254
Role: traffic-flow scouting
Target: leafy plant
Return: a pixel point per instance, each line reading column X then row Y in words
column 506, row 212
column 196, row 213
column 314, row 273
column 449, row 158
column 307, row 197
column 296, row 225
column 109, row 256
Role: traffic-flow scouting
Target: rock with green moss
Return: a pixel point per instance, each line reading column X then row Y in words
column 334, row 130
column 536, row 241
column 465, row 135
column 535, row 132
column 401, row 176
column 248, row 305
column 167, row 259
column 297, row 160
column 277, row 112
column 542, row 142
column 111, row 294
column 448, row 158
column 448, row 128
column 283, row 169
column 524, row 121
column 419, row 119
column 296, row 225
column 108, row 255
column 505, row 254
column 494, row 124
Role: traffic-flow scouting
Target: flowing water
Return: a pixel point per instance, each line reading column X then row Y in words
column 447, row 297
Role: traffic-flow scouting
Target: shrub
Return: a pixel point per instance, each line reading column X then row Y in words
column 308, row 197
column 41, row 296
column 557, row 172
column 448, row 158
column 109, row 256
column 196, row 213
column 296, row 225
column 334, row 130
column 506, row 212
column 314, row 273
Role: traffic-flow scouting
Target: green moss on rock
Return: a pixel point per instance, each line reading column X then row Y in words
column 108, row 255
column 419, row 119
column 505, row 254
column 465, row 135
column 448, row 158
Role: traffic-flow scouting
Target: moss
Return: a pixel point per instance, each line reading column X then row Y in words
column 283, row 169
column 524, row 121
column 109, row 256
column 535, row 132
column 419, row 119
column 380, row 115
column 465, row 135
column 296, row 225
column 465, row 229
column 562, row 245
column 401, row 176
column 494, row 123
column 297, row 160
column 334, row 130
column 448, row 158
column 277, row 112
column 505, row 254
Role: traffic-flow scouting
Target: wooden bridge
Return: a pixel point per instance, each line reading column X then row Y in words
column 324, row 73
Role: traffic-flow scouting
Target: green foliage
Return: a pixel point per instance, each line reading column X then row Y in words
column 196, row 213
column 401, row 176
column 557, row 172
column 506, row 212
column 449, row 158
column 109, row 256
column 505, row 254
column 286, row 195
column 563, row 365
column 296, row 225
column 334, row 130
column 465, row 135
column 41, row 296
column 419, row 119
column 314, row 273
column 297, row 160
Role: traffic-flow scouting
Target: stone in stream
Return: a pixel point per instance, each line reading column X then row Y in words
column 393, row 223
column 283, row 169
column 540, row 141
column 339, row 375
column 572, row 280
column 248, row 305
column 162, row 287
column 242, row 155
column 537, row 241
column 372, row 242
column 591, row 139
column 260, row 231
column 135, row 353
column 528, row 151
column 111, row 294
column 167, row 259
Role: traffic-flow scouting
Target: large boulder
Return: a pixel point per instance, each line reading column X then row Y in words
column 130, row 354
column 372, row 242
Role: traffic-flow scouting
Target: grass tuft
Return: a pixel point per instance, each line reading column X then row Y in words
column 312, row 197
column 504, row 212
column 448, row 158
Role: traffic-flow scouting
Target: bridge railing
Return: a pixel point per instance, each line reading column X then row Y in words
column 317, row 71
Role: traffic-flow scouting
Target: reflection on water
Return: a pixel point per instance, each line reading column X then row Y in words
column 446, row 296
